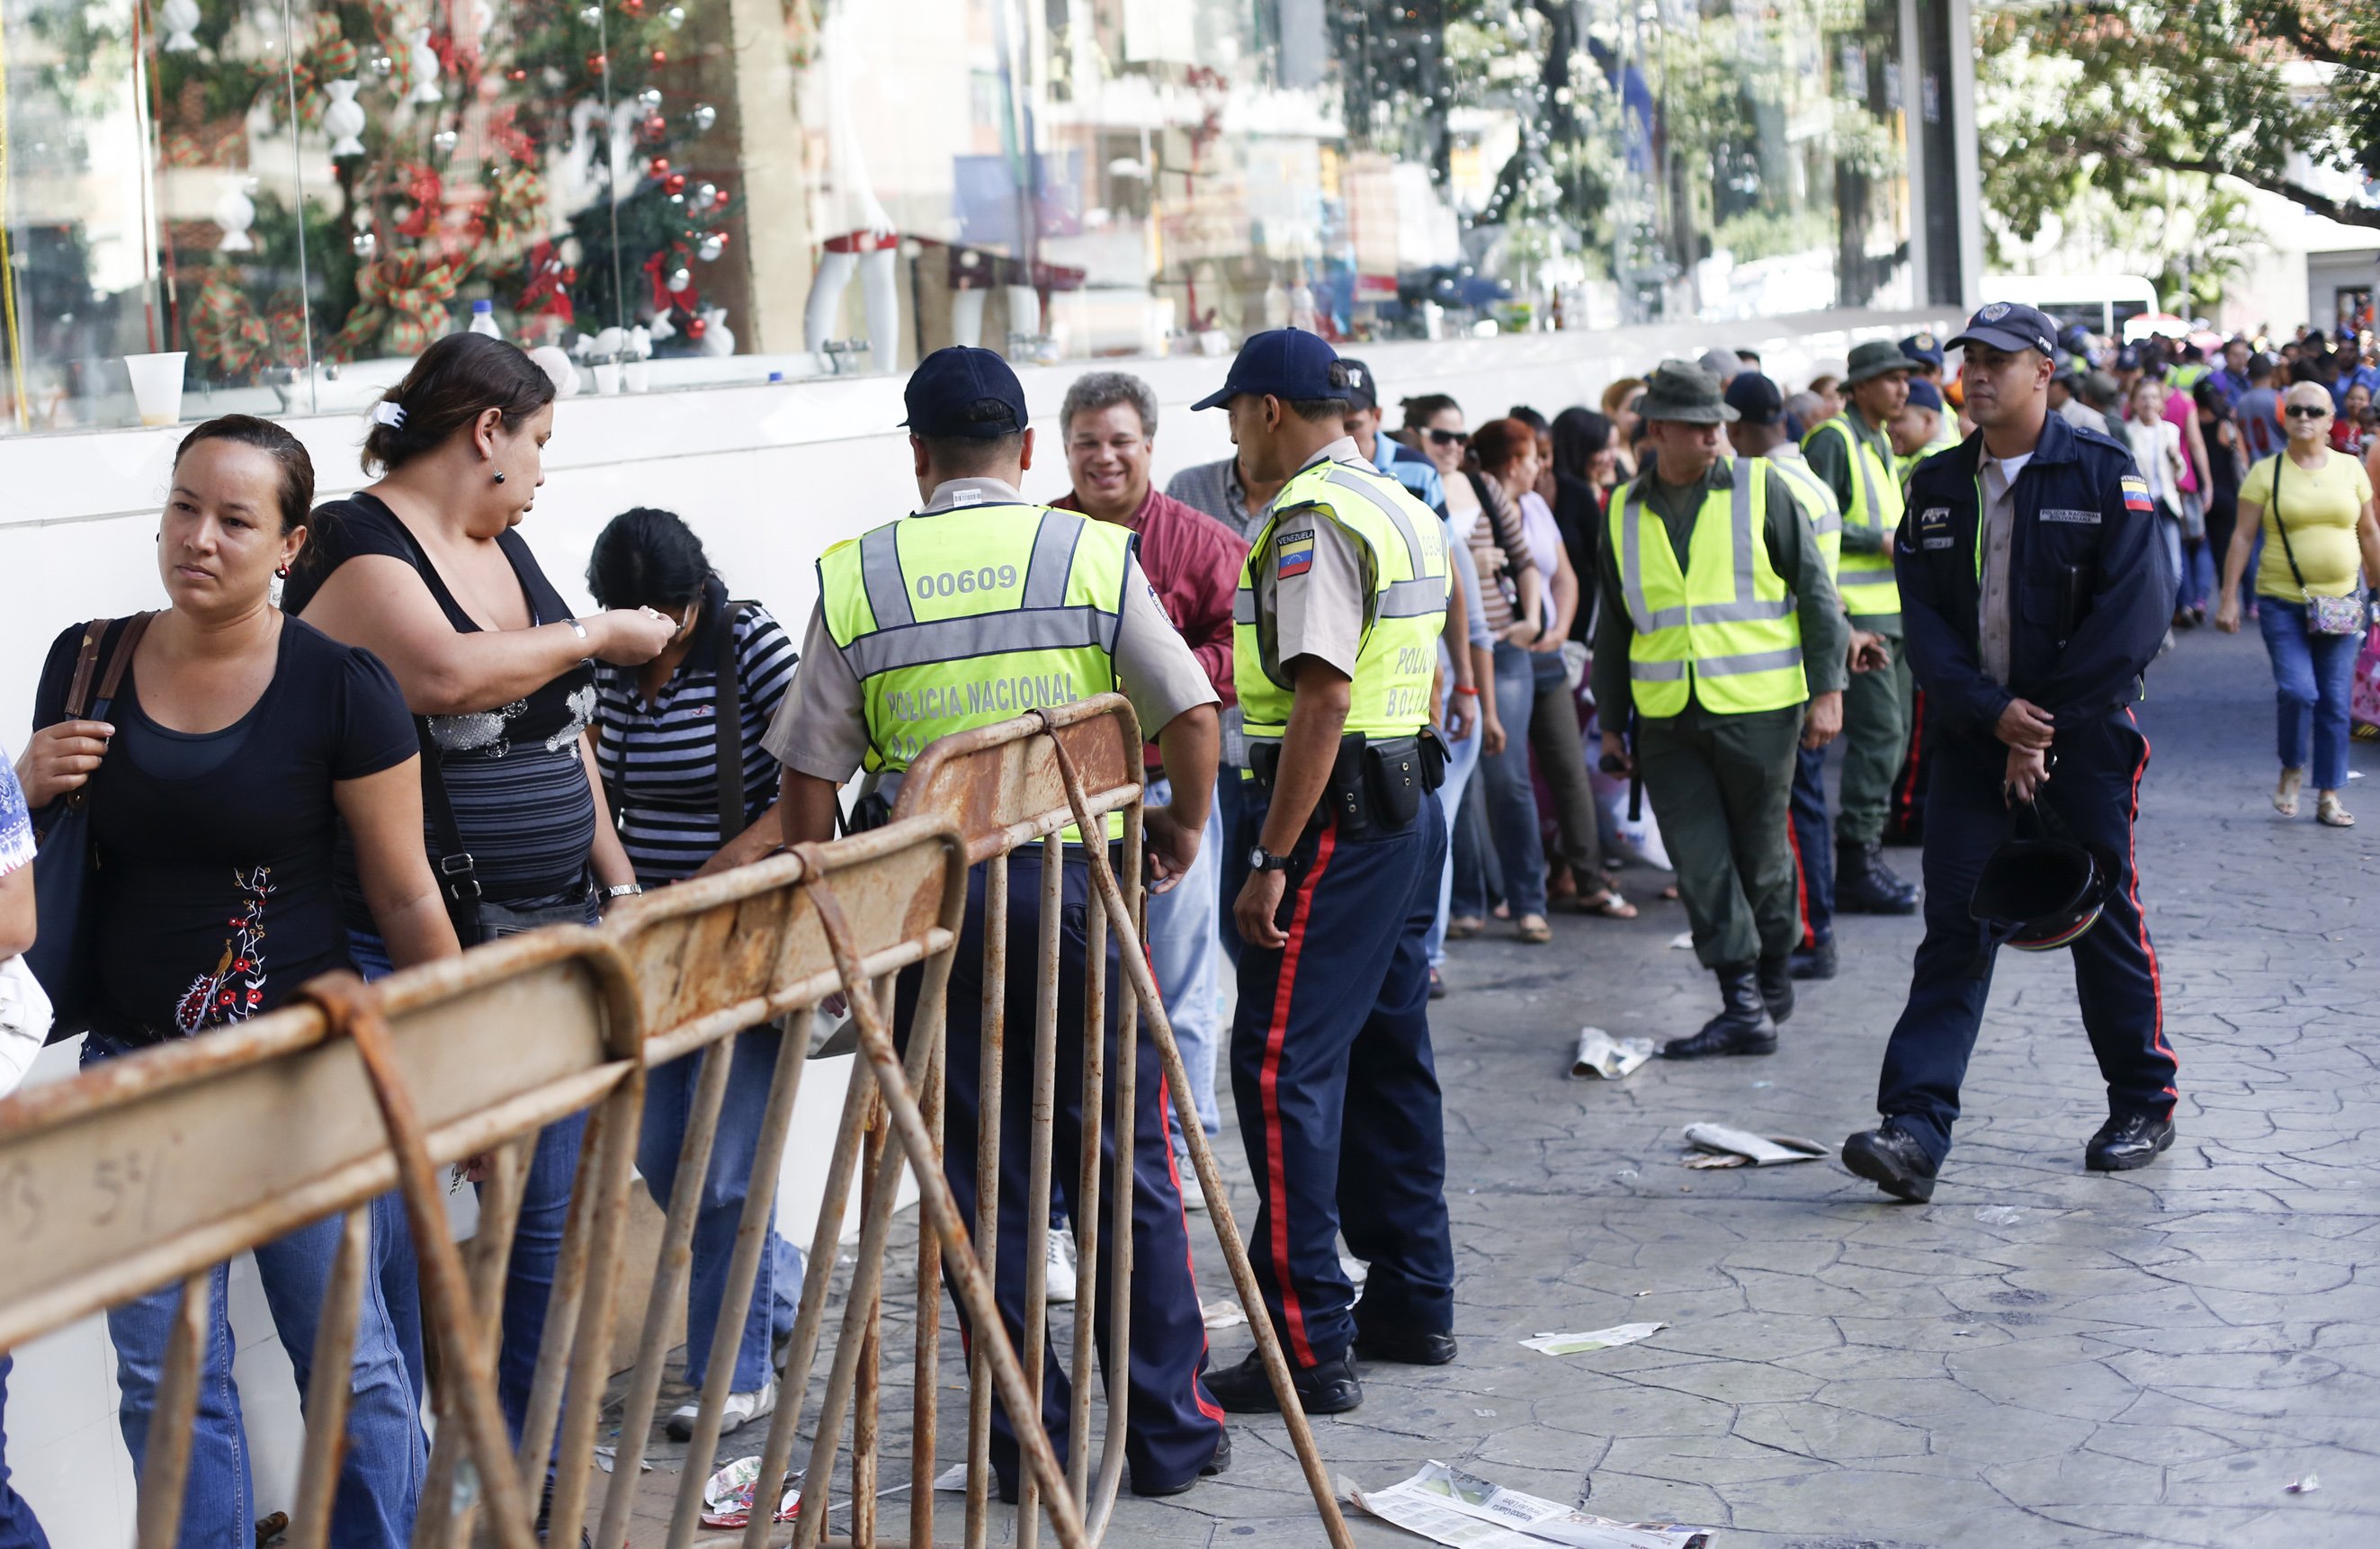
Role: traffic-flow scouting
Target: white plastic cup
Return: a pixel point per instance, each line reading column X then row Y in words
column 157, row 385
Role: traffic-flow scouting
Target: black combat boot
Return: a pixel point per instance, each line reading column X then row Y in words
column 1777, row 987
column 1864, row 884
column 1813, row 962
column 1742, row 1028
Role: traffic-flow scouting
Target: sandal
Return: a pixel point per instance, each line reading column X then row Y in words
column 2285, row 794
column 1607, row 905
column 2332, row 813
column 1462, row 927
column 1533, row 930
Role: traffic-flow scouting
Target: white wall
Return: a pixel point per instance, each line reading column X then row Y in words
column 768, row 474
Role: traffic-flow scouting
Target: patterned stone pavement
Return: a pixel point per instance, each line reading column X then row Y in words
column 2040, row 1356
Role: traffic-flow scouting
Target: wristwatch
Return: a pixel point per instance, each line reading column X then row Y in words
column 1263, row 859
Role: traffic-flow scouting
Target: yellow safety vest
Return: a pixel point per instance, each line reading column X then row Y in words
column 1819, row 501
column 1725, row 631
column 1403, row 545
column 970, row 617
column 1866, row 580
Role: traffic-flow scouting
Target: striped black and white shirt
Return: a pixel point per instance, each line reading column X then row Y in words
column 659, row 761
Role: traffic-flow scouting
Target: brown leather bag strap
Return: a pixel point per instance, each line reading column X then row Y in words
column 77, row 698
column 129, row 642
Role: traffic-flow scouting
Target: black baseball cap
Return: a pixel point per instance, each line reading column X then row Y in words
column 1362, row 391
column 1288, row 363
column 2009, row 325
column 1755, row 398
column 945, row 389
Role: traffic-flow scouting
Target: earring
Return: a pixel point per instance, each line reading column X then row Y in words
column 500, row 476
column 283, row 571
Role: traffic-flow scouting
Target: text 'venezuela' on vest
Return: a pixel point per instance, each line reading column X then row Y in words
column 1725, row 631
column 1866, row 580
column 1397, row 660
column 970, row 616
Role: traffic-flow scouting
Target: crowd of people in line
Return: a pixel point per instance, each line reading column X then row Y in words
column 372, row 733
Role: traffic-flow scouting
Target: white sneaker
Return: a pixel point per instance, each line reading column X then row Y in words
column 1194, row 1194
column 740, row 1410
column 1059, row 1278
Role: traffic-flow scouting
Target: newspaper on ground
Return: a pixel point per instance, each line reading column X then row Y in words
column 1594, row 1340
column 1725, row 1146
column 1461, row 1509
column 1599, row 1054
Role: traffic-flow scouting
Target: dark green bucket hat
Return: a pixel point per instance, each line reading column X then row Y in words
column 1874, row 358
column 1686, row 392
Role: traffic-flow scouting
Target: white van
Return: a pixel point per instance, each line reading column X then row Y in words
column 2101, row 303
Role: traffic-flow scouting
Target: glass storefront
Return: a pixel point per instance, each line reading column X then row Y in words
column 294, row 196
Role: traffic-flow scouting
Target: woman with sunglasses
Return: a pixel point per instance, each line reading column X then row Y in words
column 2314, row 507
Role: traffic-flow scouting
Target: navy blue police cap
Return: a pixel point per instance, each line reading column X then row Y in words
column 1924, row 348
column 1925, row 395
column 1288, row 363
column 2009, row 325
column 946, row 389
column 1755, row 398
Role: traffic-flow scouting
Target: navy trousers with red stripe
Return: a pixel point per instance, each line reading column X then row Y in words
column 1813, row 834
column 2094, row 790
column 1172, row 1427
column 1338, row 1093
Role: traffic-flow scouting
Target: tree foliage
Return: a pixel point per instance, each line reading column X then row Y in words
column 2105, row 97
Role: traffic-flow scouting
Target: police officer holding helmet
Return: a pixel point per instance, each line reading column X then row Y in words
column 1335, row 655
column 2035, row 591
column 976, row 608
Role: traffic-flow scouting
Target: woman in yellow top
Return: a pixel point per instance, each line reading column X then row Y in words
column 2321, row 501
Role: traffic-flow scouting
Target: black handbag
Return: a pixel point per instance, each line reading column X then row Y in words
column 63, row 864
column 476, row 920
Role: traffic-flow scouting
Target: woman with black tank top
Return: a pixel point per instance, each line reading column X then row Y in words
column 425, row 569
column 240, row 740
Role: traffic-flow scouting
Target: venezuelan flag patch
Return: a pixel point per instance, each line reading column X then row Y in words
column 2136, row 493
column 1294, row 554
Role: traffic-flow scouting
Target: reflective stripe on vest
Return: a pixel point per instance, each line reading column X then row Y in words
column 1826, row 516
column 1866, row 580
column 1725, row 631
column 1398, row 655
column 970, row 616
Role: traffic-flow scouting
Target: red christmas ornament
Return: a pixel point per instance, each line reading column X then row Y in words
column 658, row 166
column 696, row 327
column 661, row 57
column 595, row 62
column 517, row 75
column 656, row 129
column 720, row 199
column 633, row 8
column 674, row 183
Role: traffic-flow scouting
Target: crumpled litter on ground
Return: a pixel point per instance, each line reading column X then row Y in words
column 1599, row 1054
column 728, row 1495
column 1596, row 1339
column 2305, row 1486
column 1463, row 1510
column 1222, row 1312
column 1724, row 1146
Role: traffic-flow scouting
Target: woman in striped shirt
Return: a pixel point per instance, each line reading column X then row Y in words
column 659, row 744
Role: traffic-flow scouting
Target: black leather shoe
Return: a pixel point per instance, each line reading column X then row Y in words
column 2126, row 1141
column 1329, row 1388
column 1742, row 1028
column 1864, row 884
column 1407, row 1347
column 1208, row 1469
column 1893, row 1160
column 1776, row 978
column 1813, row 962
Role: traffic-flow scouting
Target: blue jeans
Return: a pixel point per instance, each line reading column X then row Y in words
column 668, row 1105
column 386, row 1453
column 536, row 1245
column 1461, row 759
column 1512, row 804
column 19, row 1528
column 2199, row 579
column 1184, row 944
column 2314, row 675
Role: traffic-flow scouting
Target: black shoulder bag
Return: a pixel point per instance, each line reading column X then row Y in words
column 65, row 858
column 727, row 712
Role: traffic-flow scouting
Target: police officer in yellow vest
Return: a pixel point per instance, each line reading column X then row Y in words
column 1718, row 627
column 1335, row 653
column 976, row 608
column 1853, row 452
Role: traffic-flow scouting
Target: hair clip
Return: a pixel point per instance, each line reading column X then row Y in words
column 390, row 414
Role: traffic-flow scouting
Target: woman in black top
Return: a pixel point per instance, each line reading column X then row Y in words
column 1582, row 465
column 2225, row 466
column 424, row 568
column 658, row 745
column 242, row 738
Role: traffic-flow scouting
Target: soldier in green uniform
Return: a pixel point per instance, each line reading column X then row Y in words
column 1720, row 628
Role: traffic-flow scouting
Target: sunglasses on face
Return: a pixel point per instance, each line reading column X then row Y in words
column 1449, row 438
column 2306, row 412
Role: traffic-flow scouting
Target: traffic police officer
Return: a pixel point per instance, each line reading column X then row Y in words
column 980, row 606
column 1853, row 453
column 1335, row 653
column 1720, row 625
column 2037, row 590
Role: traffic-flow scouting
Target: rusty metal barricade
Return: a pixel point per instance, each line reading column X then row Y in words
column 150, row 1169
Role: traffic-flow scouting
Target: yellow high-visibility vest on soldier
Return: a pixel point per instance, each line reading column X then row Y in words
column 979, row 607
column 1336, row 623
column 1719, row 638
